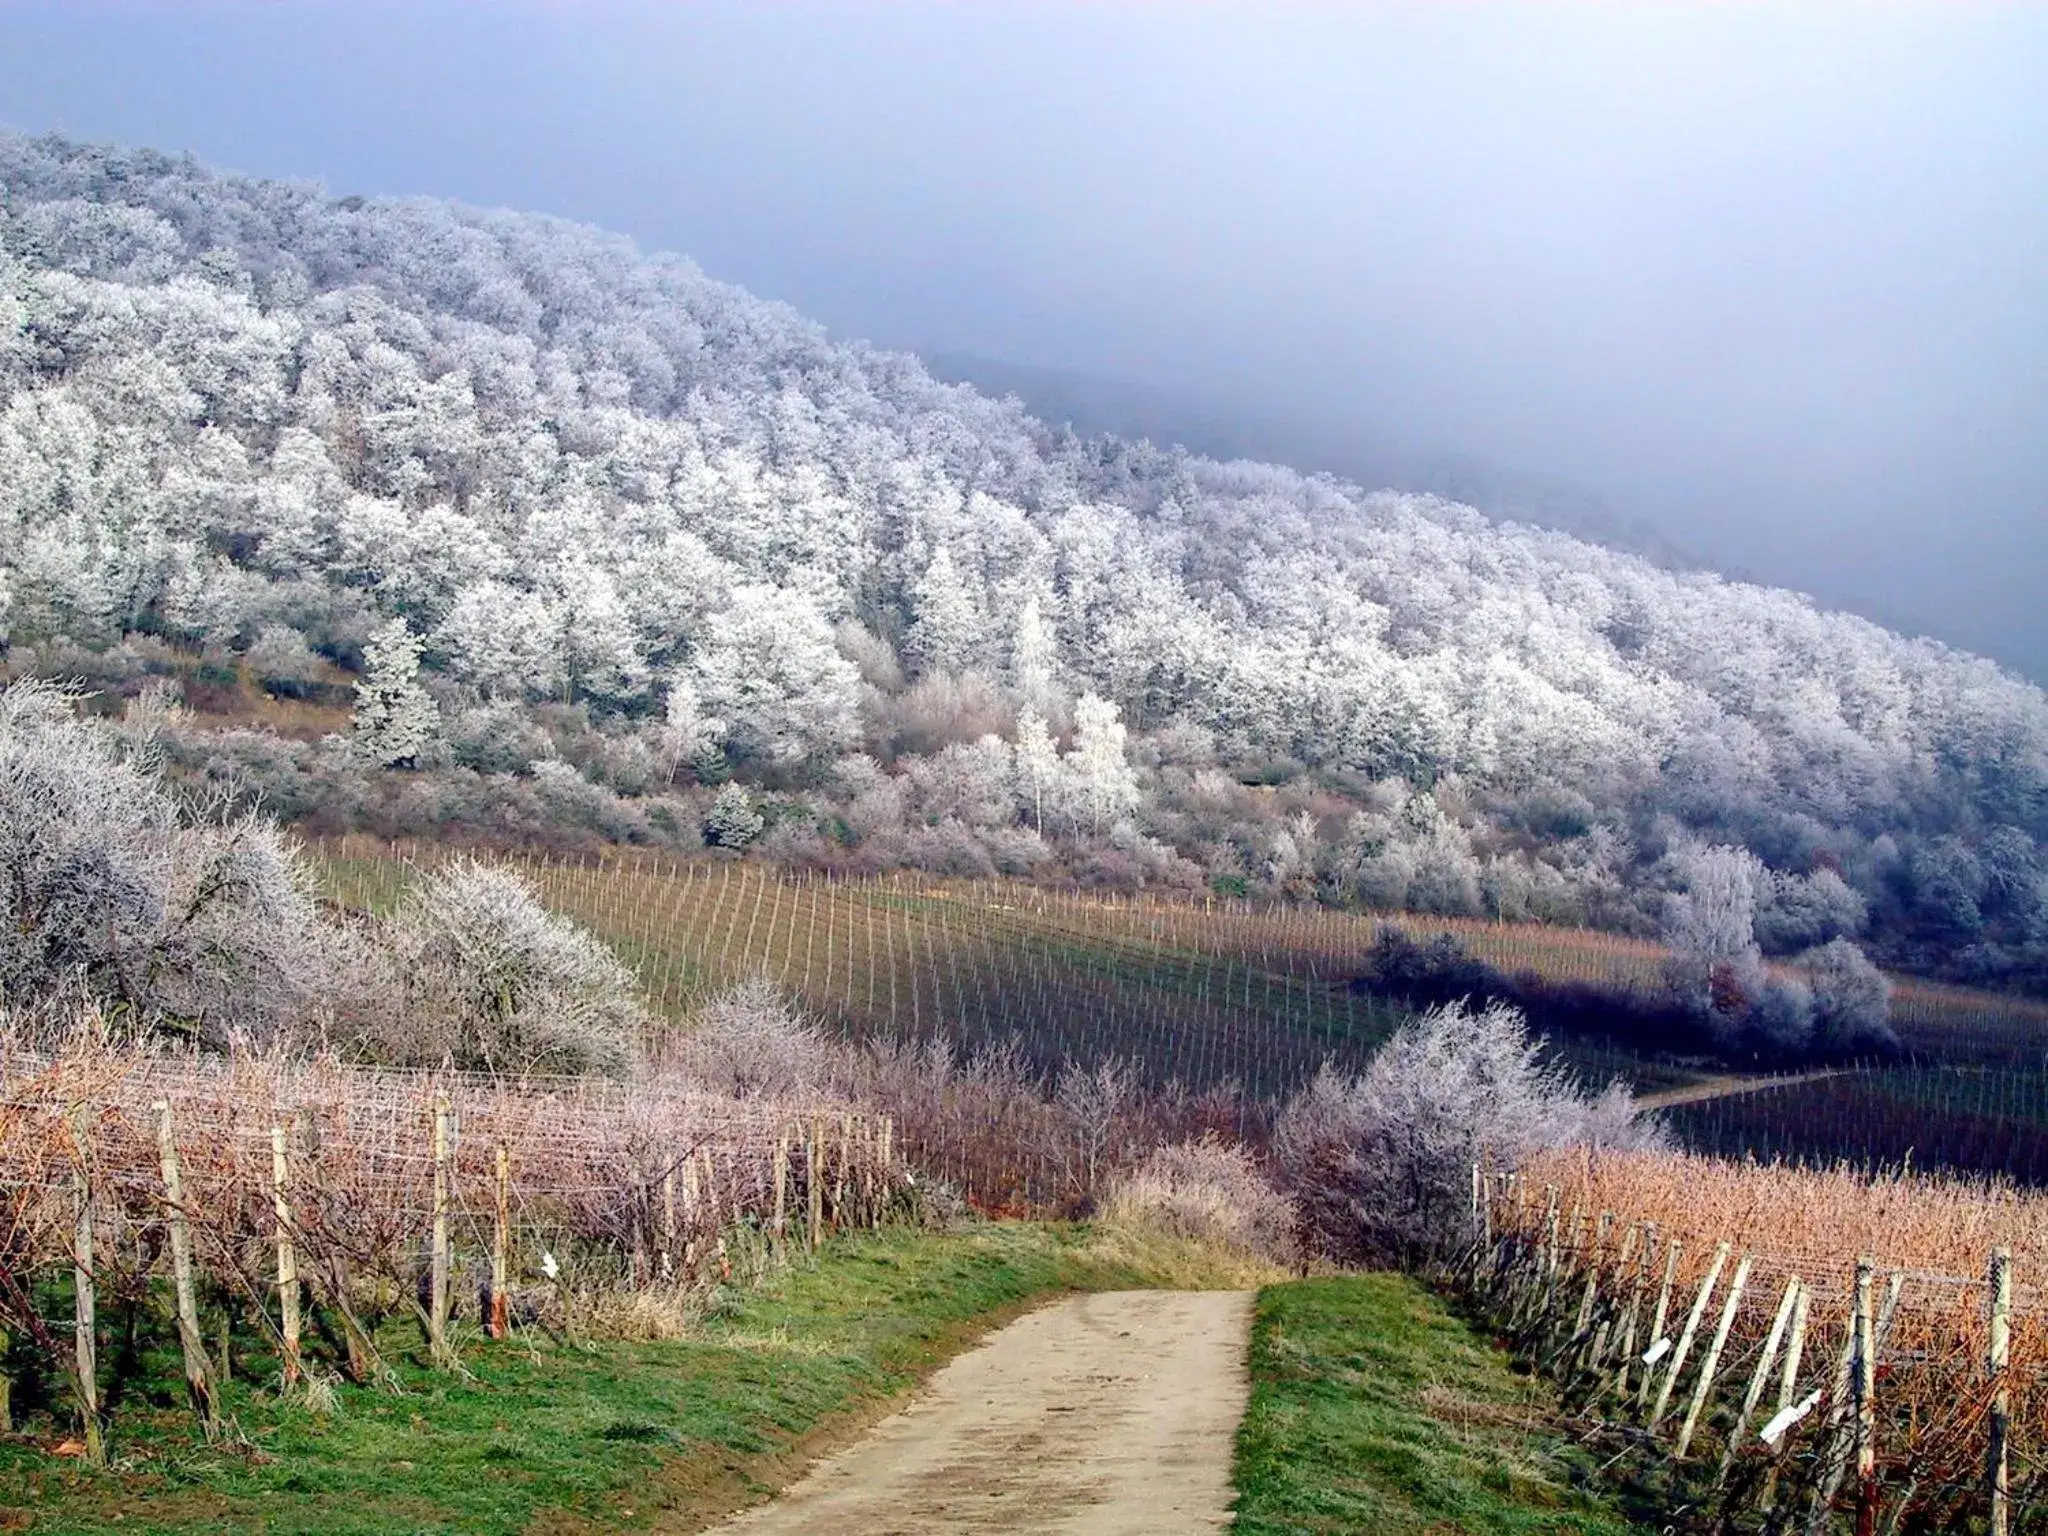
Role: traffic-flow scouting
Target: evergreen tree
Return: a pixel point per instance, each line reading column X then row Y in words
column 395, row 717
column 733, row 821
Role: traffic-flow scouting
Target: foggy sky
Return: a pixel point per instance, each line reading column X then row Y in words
column 1772, row 279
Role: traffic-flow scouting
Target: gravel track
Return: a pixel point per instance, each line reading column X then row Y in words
column 1104, row 1415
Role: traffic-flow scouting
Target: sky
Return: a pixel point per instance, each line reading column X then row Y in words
column 1770, row 280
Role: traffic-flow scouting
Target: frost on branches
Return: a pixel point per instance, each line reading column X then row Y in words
column 395, row 719
column 637, row 526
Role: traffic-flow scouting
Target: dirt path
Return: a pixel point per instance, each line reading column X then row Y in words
column 1097, row 1416
column 1725, row 1087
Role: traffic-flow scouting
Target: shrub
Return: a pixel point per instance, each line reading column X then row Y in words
column 1851, row 999
column 495, row 981
column 1380, row 1164
column 748, row 1042
column 1210, row 1192
column 282, row 662
column 209, row 931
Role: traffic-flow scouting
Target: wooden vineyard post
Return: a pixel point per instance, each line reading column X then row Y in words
column 1627, row 1352
column 781, row 1221
column 1788, row 1383
column 1688, row 1334
column 885, row 1156
column 1846, row 1398
column 1582, row 1325
column 1658, row 1317
column 711, row 1208
column 1603, row 1337
column 1712, row 1363
column 845, row 1163
column 287, row 1260
column 1865, row 1390
column 501, row 1249
column 668, row 1220
column 198, row 1369
column 689, row 1167
column 86, row 1301
column 815, row 1190
column 1759, row 1378
column 437, row 1274
column 1997, row 1472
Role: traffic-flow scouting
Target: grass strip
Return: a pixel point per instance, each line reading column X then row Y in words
column 545, row 1436
column 1375, row 1409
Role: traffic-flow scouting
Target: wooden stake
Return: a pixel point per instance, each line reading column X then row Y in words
column 1759, row 1377
column 1788, row 1384
column 198, row 1369
column 85, row 1308
column 287, row 1258
column 668, row 1220
column 1865, row 1389
column 501, row 1250
column 1671, row 1252
column 1712, row 1362
column 1838, row 1445
column 816, row 1188
column 781, row 1183
column 1690, row 1331
column 437, row 1277
column 1997, row 1473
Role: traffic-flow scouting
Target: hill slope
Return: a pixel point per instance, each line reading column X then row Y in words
column 653, row 532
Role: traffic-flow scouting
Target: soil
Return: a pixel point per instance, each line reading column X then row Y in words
column 1100, row 1415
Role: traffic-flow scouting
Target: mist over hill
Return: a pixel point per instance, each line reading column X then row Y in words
column 677, row 565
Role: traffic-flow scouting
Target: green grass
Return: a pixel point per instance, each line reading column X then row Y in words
column 1374, row 1409
column 549, row 1436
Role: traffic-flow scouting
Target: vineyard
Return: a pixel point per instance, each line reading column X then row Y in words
column 1063, row 976
column 281, row 1212
column 1972, row 1119
column 1204, row 991
column 1716, row 1321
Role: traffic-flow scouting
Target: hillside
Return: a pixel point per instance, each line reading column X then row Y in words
column 648, row 536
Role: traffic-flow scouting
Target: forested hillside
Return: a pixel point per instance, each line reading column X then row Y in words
column 615, row 550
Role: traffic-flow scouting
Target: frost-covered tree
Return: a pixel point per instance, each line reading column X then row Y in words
column 1105, row 786
column 945, row 632
column 732, row 821
column 769, row 669
column 1380, row 1164
column 1038, row 764
column 396, row 718
column 494, row 981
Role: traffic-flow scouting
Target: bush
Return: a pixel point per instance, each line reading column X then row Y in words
column 1851, row 999
column 749, row 1043
column 208, row 931
column 494, row 981
column 1380, row 1165
column 1210, row 1192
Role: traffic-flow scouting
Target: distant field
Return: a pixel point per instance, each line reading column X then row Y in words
column 1197, row 989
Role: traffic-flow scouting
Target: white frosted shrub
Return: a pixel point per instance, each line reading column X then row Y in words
column 1380, row 1164
column 750, row 1043
column 496, row 982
